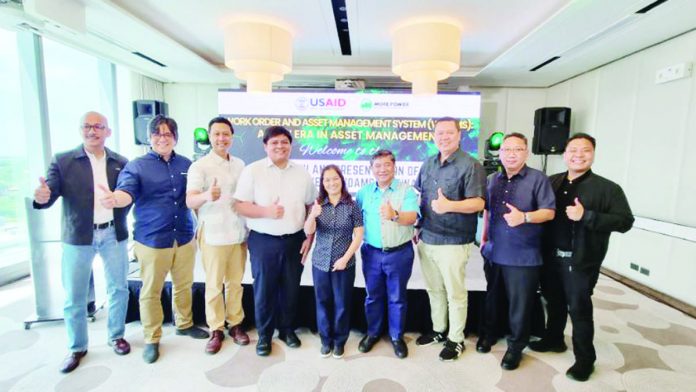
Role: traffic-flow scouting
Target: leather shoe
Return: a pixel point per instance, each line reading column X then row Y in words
column 72, row 361
column 400, row 349
column 546, row 345
column 238, row 335
column 580, row 371
column 484, row 344
column 511, row 360
column 194, row 332
column 215, row 342
column 120, row 346
column 290, row 338
column 263, row 347
column 151, row 352
column 366, row 343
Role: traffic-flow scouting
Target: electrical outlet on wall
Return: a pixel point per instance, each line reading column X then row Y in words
column 673, row 72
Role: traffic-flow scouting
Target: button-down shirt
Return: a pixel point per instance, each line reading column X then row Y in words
column 264, row 183
column 382, row 233
column 223, row 226
column 460, row 177
column 101, row 214
column 561, row 227
column 335, row 227
column 529, row 190
column 158, row 189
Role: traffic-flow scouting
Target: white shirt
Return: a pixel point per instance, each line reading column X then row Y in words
column 222, row 225
column 263, row 183
column 101, row 214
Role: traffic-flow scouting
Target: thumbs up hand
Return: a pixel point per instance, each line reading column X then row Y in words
column 107, row 199
column 315, row 211
column 441, row 204
column 275, row 210
column 42, row 193
column 214, row 191
column 386, row 211
column 575, row 211
column 515, row 217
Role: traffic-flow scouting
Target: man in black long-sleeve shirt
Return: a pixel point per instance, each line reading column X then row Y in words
column 588, row 208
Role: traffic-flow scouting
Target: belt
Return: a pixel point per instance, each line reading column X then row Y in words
column 563, row 253
column 102, row 226
column 391, row 249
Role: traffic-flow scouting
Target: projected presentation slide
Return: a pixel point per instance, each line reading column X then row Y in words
column 346, row 128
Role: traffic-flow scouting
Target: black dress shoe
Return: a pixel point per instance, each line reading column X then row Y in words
column 483, row 344
column 580, row 371
column 400, row 349
column 263, row 347
column 511, row 360
column 290, row 338
column 367, row 343
column 72, row 361
column 151, row 352
column 546, row 345
column 194, row 332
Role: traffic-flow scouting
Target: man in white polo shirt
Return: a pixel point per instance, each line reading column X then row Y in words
column 274, row 193
column 221, row 234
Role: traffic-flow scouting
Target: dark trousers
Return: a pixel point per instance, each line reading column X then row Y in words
column 520, row 285
column 569, row 291
column 276, row 265
column 495, row 302
column 386, row 276
column 332, row 291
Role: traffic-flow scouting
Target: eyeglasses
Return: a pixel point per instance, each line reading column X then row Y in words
column 516, row 150
column 163, row 135
column 97, row 127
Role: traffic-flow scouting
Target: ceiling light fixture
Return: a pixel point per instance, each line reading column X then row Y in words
column 259, row 53
column 424, row 52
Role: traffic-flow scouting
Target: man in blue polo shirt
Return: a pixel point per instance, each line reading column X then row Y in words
column 390, row 208
column 517, row 201
column 156, row 184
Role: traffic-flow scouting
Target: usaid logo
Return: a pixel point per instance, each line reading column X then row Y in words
column 301, row 103
column 327, row 102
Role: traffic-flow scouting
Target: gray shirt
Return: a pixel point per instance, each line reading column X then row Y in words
column 460, row 177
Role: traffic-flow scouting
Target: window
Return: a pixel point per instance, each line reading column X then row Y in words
column 14, row 176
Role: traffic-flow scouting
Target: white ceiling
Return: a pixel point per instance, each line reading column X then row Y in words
column 501, row 41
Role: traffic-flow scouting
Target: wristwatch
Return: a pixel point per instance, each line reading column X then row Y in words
column 396, row 216
column 526, row 218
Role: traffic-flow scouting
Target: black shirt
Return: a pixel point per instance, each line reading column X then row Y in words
column 562, row 227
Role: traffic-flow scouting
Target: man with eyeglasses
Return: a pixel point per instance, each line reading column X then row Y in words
column 517, row 201
column 274, row 194
column 588, row 208
column 156, row 184
column 80, row 176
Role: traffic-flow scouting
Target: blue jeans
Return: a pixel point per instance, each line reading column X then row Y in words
column 76, row 272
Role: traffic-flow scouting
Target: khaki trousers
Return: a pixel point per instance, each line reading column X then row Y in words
column 224, row 265
column 444, row 270
column 154, row 266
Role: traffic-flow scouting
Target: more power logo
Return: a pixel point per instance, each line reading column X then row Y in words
column 369, row 104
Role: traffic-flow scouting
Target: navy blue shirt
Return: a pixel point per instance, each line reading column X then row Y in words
column 528, row 191
column 158, row 189
column 335, row 227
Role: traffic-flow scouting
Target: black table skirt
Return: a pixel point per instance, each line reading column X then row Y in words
column 417, row 319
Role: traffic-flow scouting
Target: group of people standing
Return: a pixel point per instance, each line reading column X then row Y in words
column 537, row 231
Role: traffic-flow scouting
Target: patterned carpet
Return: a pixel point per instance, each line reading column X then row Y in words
column 642, row 345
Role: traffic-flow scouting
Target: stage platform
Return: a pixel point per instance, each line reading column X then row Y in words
column 417, row 320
